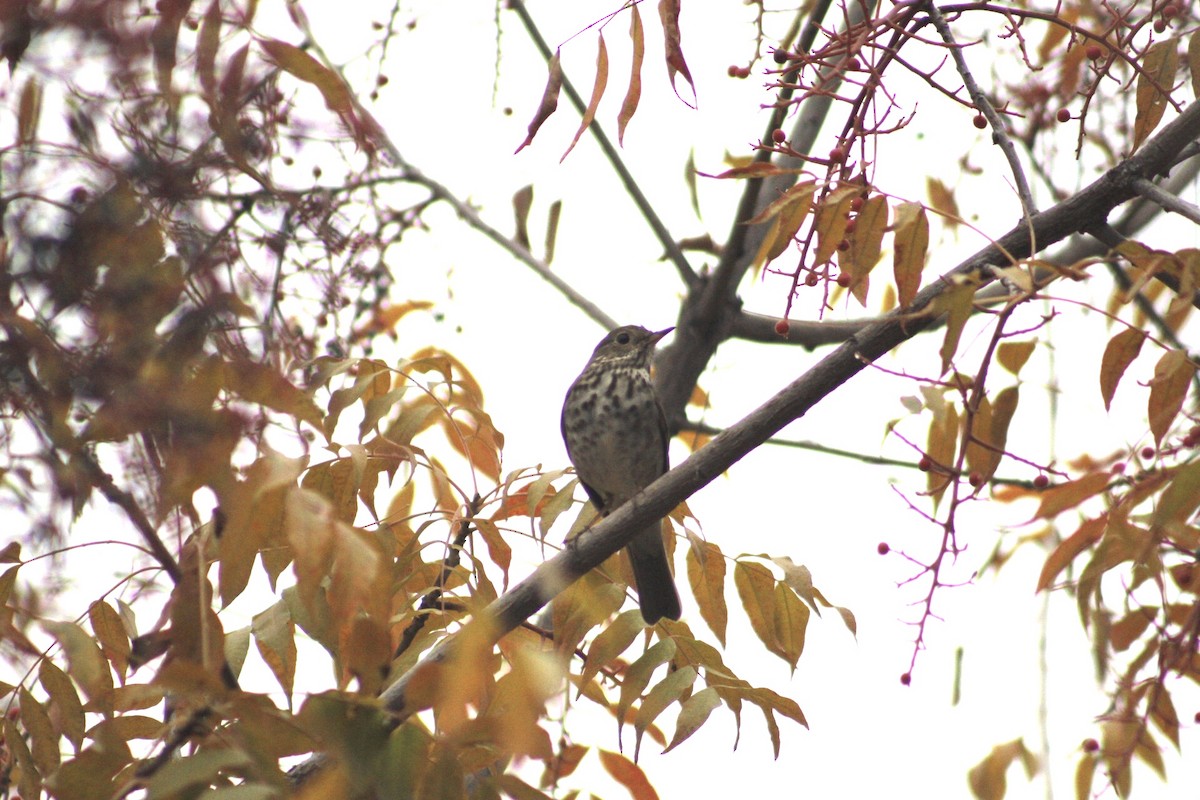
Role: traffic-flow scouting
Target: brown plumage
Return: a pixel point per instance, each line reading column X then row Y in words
column 616, row 437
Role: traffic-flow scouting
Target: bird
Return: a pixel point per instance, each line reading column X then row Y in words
column 616, row 437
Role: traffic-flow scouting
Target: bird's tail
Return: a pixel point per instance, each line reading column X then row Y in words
column 652, row 572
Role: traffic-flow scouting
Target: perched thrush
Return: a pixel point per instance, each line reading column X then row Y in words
column 616, row 437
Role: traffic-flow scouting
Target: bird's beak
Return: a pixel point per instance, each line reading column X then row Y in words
column 657, row 336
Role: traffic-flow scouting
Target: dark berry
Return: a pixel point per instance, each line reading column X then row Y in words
column 1064, row 115
column 781, row 327
column 883, row 549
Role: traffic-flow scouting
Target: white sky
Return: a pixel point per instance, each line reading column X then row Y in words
column 869, row 735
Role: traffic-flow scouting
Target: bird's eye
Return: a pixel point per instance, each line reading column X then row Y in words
column 623, row 338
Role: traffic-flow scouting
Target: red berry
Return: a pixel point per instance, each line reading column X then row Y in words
column 1064, row 115
column 1170, row 10
column 906, row 679
column 854, row 63
column 882, row 548
column 980, row 121
column 778, row 136
column 781, row 327
column 851, row 225
column 843, row 245
column 856, row 204
column 734, row 71
column 1118, row 468
column 1090, row 746
column 975, row 479
column 1148, row 452
column 1094, row 51
column 1197, row 718
column 781, row 56
column 1041, row 481
column 812, row 279
column 837, row 155
column 925, row 464
column 843, row 280
column 1160, row 25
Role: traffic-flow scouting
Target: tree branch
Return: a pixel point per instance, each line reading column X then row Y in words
column 1090, row 207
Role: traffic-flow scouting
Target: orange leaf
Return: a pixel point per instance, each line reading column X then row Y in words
column 1120, row 352
column 634, row 94
column 628, row 774
column 911, row 240
column 598, row 87
column 1070, row 494
column 1168, row 388
column 549, row 101
column 668, row 12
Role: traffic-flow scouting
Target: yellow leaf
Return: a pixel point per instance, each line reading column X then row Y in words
column 911, row 240
column 866, row 243
column 1193, row 58
column 693, row 713
column 956, row 303
column 833, row 215
column 706, row 576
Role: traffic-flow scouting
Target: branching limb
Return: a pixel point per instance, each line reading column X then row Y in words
column 670, row 245
column 1170, row 202
column 981, row 101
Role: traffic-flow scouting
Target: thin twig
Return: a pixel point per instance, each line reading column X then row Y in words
column 1153, row 192
column 981, row 101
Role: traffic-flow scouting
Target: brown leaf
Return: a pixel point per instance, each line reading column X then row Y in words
column 910, row 240
column 791, row 210
column 1155, row 80
column 29, row 111
column 941, row 199
column 1168, row 389
column 301, row 65
column 598, row 87
column 1120, row 352
column 634, row 94
column 274, row 634
column 668, row 12
column 1193, row 59
column 1012, row 355
column 549, row 101
column 206, row 50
